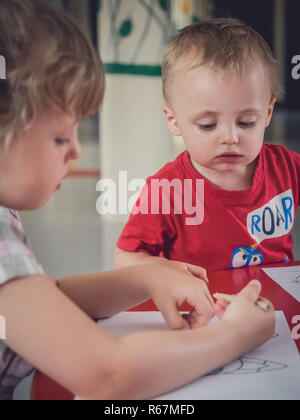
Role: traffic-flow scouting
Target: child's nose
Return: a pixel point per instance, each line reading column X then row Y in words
column 230, row 136
column 76, row 150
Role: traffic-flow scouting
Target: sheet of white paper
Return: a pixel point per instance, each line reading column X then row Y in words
column 288, row 278
column 271, row 372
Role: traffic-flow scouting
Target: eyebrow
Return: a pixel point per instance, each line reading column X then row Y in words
column 250, row 111
column 207, row 113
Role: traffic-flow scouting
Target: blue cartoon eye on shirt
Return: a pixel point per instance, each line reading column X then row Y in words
column 246, row 257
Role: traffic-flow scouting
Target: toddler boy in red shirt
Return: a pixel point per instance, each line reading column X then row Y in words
column 220, row 87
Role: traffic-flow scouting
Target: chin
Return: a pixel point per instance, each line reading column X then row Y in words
column 229, row 168
column 35, row 205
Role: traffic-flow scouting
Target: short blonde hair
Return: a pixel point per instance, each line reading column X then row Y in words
column 225, row 44
column 50, row 63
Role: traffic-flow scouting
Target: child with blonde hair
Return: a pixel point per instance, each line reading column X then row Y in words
column 54, row 79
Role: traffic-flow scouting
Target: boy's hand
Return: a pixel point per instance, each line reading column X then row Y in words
column 220, row 307
column 192, row 270
column 171, row 288
column 255, row 326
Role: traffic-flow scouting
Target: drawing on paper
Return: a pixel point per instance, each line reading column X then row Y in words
column 270, row 372
column 248, row 365
column 297, row 280
column 288, row 278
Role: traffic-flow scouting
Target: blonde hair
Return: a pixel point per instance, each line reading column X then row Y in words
column 50, row 63
column 225, row 44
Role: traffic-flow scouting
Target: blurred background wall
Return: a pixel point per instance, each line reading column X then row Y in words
column 276, row 20
column 134, row 136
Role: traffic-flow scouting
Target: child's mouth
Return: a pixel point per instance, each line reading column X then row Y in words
column 229, row 158
column 60, row 184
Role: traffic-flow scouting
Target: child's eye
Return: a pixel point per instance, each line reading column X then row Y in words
column 207, row 126
column 62, row 142
column 244, row 124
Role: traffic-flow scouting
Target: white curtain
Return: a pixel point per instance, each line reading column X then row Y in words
column 134, row 137
column 185, row 12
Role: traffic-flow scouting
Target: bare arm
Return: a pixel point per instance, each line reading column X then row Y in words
column 105, row 294
column 49, row 331
column 126, row 259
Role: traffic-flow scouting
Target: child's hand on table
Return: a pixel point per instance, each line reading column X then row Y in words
column 191, row 270
column 170, row 288
column 173, row 283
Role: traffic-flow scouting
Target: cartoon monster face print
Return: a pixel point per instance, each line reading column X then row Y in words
column 246, row 257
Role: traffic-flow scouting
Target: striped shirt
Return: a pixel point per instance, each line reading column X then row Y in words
column 16, row 260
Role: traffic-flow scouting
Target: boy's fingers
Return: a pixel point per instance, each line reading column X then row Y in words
column 220, row 308
column 197, row 319
column 223, row 303
column 198, row 272
column 173, row 318
column 252, row 290
column 208, row 295
column 202, row 311
column 219, row 311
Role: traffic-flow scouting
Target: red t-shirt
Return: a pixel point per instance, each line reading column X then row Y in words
column 229, row 229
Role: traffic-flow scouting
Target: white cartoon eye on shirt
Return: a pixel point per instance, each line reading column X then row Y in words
column 246, row 257
column 239, row 259
column 255, row 260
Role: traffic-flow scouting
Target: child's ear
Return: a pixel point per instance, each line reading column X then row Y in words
column 271, row 109
column 172, row 121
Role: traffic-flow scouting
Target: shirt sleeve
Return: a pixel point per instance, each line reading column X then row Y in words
column 148, row 229
column 296, row 158
column 16, row 256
